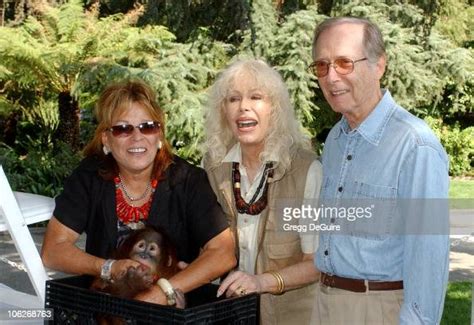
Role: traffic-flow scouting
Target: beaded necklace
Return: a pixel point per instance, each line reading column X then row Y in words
column 127, row 213
column 253, row 207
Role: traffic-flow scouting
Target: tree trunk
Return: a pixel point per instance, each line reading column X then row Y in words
column 9, row 128
column 2, row 12
column 325, row 7
column 68, row 128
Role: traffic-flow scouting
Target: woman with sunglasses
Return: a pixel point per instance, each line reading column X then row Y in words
column 259, row 166
column 128, row 178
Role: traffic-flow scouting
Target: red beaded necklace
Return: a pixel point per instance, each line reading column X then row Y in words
column 127, row 213
column 253, row 207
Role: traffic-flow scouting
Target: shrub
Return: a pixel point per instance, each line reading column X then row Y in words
column 41, row 170
column 459, row 145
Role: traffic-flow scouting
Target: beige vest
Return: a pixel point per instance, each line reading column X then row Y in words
column 276, row 248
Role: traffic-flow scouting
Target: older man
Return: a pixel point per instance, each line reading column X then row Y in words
column 377, row 150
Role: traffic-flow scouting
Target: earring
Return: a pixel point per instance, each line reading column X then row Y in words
column 159, row 145
column 106, row 150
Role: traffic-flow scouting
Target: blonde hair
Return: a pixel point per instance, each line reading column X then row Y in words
column 114, row 101
column 285, row 134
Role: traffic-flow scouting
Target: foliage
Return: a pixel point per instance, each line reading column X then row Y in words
column 65, row 48
column 224, row 19
column 35, row 163
column 179, row 73
column 258, row 39
column 424, row 72
column 41, row 59
column 454, row 20
column 292, row 57
column 286, row 45
column 41, row 171
column 454, row 70
column 37, row 126
column 459, row 145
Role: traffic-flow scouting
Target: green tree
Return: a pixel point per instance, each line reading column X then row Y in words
column 224, row 19
column 179, row 73
column 430, row 66
column 455, row 21
column 426, row 72
column 44, row 58
column 292, row 56
column 39, row 60
column 66, row 51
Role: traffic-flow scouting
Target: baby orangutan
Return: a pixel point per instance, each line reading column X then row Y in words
column 152, row 248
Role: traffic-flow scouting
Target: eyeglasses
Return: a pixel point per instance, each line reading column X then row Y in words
column 125, row 130
column 341, row 65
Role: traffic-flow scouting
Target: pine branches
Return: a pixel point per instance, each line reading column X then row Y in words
column 69, row 50
column 292, row 56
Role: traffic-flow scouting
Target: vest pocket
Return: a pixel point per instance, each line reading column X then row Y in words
column 283, row 250
column 279, row 255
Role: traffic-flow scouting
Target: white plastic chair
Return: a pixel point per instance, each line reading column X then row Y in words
column 17, row 211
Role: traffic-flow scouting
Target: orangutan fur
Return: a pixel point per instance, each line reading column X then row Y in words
column 152, row 248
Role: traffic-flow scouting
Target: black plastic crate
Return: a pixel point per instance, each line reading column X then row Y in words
column 74, row 303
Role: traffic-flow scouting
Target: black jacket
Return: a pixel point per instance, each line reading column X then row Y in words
column 184, row 205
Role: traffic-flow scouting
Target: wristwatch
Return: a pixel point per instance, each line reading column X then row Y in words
column 106, row 270
column 170, row 294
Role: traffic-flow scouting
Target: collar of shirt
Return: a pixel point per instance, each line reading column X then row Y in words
column 373, row 126
column 234, row 154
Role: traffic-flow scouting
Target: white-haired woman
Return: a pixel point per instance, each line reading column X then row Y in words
column 257, row 160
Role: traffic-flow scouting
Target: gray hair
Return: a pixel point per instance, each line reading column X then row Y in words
column 285, row 134
column 373, row 40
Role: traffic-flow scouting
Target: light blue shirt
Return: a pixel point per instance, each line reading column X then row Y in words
column 391, row 154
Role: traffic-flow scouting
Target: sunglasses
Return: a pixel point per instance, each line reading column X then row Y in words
column 125, row 130
column 342, row 66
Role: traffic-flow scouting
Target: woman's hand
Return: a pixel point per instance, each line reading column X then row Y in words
column 154, row 295
column 239, row 283
column 120, row 268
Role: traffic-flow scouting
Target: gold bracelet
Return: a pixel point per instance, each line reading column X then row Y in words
column 280, row 282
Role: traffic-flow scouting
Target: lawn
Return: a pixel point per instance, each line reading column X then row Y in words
column 458, row 303
column 457, row 306
column 461, row 189
column 461, row 194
